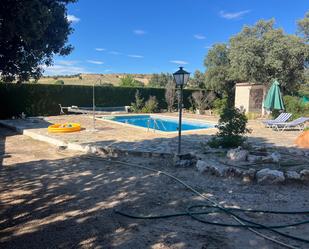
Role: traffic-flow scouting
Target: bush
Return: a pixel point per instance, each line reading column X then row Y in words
column 232, row 128
column 151, row 105
column 138, row 105
column 253, row 115
column 129, row 81
column 219, row 105
column 44, row 99
column 59, row 82
column 170, row 95
column 200, row 101
column 295, row 106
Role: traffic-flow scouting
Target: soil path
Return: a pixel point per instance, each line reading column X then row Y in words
column 63, row 200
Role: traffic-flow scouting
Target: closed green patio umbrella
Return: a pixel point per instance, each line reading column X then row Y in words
column 273, row 100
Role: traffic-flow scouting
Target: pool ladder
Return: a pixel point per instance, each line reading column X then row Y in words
column 155, row 124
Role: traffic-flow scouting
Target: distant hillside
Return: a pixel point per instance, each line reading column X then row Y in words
column 89, row 79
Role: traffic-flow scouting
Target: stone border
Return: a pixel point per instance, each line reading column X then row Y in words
column 102, row 150
column 262, row 176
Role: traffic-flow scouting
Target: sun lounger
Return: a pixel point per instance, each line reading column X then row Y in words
column 283, row 117
column 298, row 123
column 98, row 110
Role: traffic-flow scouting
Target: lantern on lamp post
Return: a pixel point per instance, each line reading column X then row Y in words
column 181, row 78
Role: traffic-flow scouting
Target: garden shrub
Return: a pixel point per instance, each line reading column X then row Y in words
column 232, row 128
column 295, row 106
column 253, row 115
column 59, row 82
column 44, row 99
column 151, row 105
column 219, row 105
column 138, row 105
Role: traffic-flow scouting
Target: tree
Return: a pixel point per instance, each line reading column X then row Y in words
column 31, row 32
column 129, row 81
column 138, row 105
column 160, row 80
column 198, row 80
column 59, row 82
column 170, row 95
column 232, row 129
column 217, row 63
column 303, row 27
column 262, row 53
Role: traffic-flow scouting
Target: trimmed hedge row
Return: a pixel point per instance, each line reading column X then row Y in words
column 44, row 100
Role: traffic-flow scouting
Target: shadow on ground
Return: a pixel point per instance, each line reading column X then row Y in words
column 70, row 203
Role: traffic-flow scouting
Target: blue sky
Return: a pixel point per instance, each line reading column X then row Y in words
column 143, row 36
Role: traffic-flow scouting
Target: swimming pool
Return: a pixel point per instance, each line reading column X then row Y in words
column 160, row 123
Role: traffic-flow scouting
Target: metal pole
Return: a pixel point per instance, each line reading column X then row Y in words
column 93, row 105
column 180, row 119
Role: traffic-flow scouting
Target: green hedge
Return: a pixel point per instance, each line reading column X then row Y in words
column 43, row 100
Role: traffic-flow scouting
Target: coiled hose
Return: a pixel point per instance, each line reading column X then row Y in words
column 216, row 208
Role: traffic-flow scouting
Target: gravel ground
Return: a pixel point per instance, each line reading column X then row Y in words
column 52, row 199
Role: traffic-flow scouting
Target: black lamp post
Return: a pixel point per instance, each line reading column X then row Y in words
column 181, row 78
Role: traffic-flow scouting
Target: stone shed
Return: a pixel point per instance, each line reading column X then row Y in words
column 249, row 97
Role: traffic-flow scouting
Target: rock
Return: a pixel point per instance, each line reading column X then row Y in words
column 268, row 176
column 210, row 166
column 232, row 172
column 292, row 175
column 202, row 166
column 304, row 175
column 237, row 154
column 184, row 163
column 185, row 160
column 248, row 175
column 254, row 158
column 295, row 151
column 275, row 157
column 91, row 149
column 62, row 147
column 270, row 158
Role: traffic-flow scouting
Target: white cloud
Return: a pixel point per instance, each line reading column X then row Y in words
column 100, row 49
column 67, row 63
column 233, row 15
column 95, row 62
column 62, row 70
column 139, row 32
column 108, row 70
column 199, row 37
column 208, row 47
column 114, row 53
column 179, row 62
column 73, row 19
column 136, row 56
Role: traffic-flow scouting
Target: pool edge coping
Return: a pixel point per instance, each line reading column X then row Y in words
column 155, row 130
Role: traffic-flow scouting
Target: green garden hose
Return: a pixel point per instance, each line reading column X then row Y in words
column 231, row 211
column 217, row 208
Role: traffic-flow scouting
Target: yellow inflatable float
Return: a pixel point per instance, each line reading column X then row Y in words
column 67, row 127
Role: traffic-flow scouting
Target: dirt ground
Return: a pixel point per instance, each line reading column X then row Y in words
column 52, row 199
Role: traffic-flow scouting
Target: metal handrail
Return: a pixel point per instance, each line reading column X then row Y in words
column 162, row 124
column 155, row 123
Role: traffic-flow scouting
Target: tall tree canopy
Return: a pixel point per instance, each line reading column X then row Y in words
column 260, row 53
column 31, row 32
column 198, row 80
column 160, row 80
column 303, row 26
column 217, row 63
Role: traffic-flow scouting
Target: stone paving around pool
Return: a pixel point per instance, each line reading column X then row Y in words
column 122, row 138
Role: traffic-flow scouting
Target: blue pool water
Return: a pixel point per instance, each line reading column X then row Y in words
column 162, row 124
